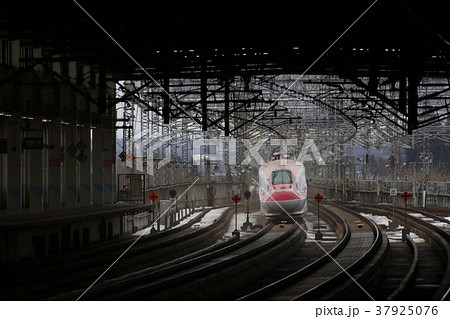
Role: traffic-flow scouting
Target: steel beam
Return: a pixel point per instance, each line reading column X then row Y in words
column 227, row 107
column 166, row 105
column 203, row 97
column 412, row 101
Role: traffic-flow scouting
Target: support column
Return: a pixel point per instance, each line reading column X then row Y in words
column 70, row 188
column 55, row 156
column 36, row 170
column 3, row 165
column 85, row 167
column 97, row 165
column 14, row 200
column 108, row 162
column 101, row 98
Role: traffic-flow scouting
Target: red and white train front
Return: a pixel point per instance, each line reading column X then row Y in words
column 283, row 189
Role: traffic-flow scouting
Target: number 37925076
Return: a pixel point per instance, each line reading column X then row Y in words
column 407, row 310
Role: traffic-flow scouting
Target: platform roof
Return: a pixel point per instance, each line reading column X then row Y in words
column 375, row 52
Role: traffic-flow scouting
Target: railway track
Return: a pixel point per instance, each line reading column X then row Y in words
column 357, row 250
column 357, row 261
column 419, row 266
column 334, row 232
column 206, row 276
column 78, row 269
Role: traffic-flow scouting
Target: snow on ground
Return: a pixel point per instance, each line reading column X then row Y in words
column 448, row 218
column 146, row 231
column 255, row 218
column 416, row 238
column 416, row 215
column 441, row 225
column 380, row 220
column 210, row 217
column 432, row 221
column 396, row 237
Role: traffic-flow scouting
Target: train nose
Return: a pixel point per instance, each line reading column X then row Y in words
column 281, row 196
column 283, row 201
column 284, row 206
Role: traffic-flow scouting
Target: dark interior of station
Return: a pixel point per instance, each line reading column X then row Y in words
column 111, row 111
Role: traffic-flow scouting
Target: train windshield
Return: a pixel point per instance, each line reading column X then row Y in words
column 282, row 177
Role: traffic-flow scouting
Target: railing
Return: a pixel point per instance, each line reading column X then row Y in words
column 429, row 194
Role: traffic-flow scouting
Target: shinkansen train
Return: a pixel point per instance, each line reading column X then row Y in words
column 283, row 190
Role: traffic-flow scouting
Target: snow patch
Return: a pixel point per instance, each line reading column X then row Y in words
column 396, row 237
column 210, row 217
column 441, row 225
column 416, row 215
column 146, row 231
column 380, row 220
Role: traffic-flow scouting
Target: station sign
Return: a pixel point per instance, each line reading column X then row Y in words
column 247, row 194
column 236, row 199
column 32, row 143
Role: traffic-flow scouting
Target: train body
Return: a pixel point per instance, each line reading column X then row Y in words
column 283, row 190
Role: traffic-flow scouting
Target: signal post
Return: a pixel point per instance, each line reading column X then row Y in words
column 405, row 196
column 236, row 199
column 318, row 198
column 247, row 224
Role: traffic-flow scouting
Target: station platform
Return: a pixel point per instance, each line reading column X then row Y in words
column 28, row 219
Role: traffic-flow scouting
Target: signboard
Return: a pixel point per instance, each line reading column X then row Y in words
column 71, row 150
column 393, row 192
column 32, row 143
column 81, row 146
column 173, row 193
column 406, row 196
column 247, row 194
column 82, row 158
column 153, row 197
column 247, row 202
column 236, row 199
column 318, row 198
column 123, row 156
